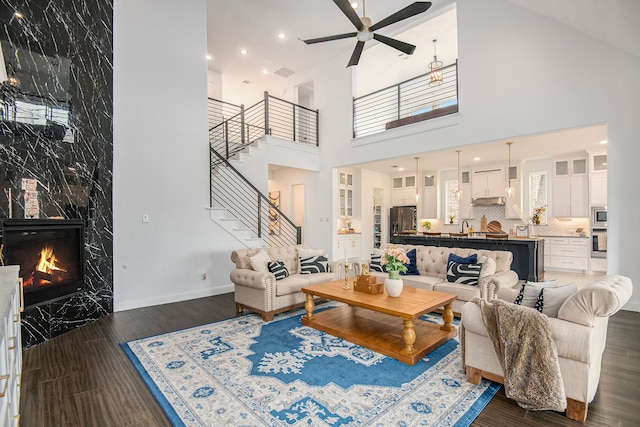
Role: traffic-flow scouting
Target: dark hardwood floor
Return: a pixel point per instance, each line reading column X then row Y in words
column 83, row 378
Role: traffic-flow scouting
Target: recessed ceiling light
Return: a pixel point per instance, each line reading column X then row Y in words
column 400, row 169
column 244, row 51
column 264, row 71
column 18, row 15
column 209, row 57
column 603, row 142
column 354, row 5
column 282, row 36
column 476, row 158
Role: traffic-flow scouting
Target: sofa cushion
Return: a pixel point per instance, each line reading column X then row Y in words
column 412, row 267
column 278, row 269
column 292, row 284
column 259, row 262
column 464, row 273
column 314, row 264
column 464, row 292
column 529, row 291
column 551, row 298
column 314, row 279
column 488, row 266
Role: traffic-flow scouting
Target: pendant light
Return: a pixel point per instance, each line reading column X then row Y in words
column 417, row 180
column 435, row 68
column 509, row 190
column 459, row 191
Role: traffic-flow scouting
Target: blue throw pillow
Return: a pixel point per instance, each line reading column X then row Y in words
column 412, row 267
column 471, row 259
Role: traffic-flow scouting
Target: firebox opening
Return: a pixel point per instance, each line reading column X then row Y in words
column 50, row 254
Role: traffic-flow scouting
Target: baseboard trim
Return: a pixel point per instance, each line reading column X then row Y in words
column 167, row 299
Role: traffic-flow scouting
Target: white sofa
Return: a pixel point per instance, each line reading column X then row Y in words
column 262, row 293
column 579, row 333
column 431, row 262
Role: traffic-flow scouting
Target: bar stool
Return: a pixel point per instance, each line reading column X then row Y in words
column 498, row 241
column 458, row 240
column 433, row 237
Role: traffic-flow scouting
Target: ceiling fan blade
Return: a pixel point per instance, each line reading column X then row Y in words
column 345, row 7
column 355, row 56
column 396, row 44
column 329, row 38
column 409, row 11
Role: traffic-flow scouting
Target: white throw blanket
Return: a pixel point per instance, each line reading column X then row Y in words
column 524, row 344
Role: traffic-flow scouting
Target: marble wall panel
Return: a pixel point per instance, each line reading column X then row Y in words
column 56, row 85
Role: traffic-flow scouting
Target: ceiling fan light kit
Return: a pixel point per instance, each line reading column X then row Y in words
column 366, row 31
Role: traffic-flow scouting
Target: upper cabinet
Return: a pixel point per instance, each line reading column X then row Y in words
column 403, row 190
column 345, row 194
column 598, row 179
column 430, row 196
column 570, row 196
column 488, row 182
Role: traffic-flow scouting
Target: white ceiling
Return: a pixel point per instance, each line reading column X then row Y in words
column 254, row 25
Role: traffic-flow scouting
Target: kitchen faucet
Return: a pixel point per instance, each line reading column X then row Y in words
column 462, row 226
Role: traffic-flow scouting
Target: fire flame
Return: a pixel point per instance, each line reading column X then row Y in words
column 47, row 262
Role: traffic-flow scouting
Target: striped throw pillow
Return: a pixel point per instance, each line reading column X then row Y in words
column 467, row 274
column 278, row 269
column 375, row 263
column 314, row 264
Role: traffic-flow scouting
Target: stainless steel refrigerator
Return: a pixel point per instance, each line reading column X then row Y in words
column 402, row 218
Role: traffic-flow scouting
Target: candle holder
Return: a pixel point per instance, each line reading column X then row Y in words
column 346, row 285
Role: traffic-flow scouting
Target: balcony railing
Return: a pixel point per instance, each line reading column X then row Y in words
column 406, row 102
column 271, row 116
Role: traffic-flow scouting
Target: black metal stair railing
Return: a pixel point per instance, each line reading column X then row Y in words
column 270, row 116
column 232, row 191
column 377, row 111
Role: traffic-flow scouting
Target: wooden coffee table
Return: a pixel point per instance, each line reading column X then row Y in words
column 373, row 321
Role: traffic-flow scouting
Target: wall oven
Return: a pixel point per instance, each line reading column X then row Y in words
column 598, row 216
column 598, row 243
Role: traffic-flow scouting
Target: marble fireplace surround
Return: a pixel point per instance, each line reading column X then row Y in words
column 56, row 72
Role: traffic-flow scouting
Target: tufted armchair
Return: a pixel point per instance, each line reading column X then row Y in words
column 579, row 333
column 262, row 293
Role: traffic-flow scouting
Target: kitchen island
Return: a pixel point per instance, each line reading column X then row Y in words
column 528, row 253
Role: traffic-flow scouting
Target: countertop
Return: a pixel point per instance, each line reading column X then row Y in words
column 573, row 236
column 478, row 237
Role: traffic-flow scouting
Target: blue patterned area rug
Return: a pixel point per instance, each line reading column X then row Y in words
column 245, row 372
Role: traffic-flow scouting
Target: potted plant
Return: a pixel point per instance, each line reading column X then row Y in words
column 451, row 218
column 393, row 261
column 426, row 225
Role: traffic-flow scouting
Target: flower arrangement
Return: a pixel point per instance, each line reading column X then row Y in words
column 394, row 260
column 537, row 214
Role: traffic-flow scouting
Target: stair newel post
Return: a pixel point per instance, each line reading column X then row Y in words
column 299, row 235
column 226, row 139
column 293, row 106
column 242, row 135
column 266, row 112
column 260, row 215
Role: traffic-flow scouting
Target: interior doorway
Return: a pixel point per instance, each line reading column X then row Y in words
column 297, row 199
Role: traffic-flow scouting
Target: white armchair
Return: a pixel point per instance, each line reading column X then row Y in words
column 579, row 333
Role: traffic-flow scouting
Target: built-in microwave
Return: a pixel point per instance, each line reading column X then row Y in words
column 598, row 216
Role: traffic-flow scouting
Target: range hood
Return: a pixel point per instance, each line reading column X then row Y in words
column 487, row 201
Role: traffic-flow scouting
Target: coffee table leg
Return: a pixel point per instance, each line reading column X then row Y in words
column 309, row 306
column 408, row 335
column 447, row 316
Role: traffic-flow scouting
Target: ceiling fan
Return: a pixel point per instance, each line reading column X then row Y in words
column 366, row 30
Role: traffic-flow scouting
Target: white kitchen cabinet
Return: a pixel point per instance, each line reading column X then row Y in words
column 570, row 197
column 403, row 190
column 567, row 253
column 345, row 194
column 488, row 182
column 598, row 189
column 349, row 246
column 10, row 345
column 598, row 162
column 430, row 196
column 598, row 266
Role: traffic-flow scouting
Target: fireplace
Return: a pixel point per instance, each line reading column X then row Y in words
column 50, row 254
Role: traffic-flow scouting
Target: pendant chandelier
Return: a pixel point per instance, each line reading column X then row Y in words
column 435, row 68
column 458, row 192
column 509, row 190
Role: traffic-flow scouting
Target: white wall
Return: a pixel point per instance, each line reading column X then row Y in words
column 161, row 164
column 515, row 79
